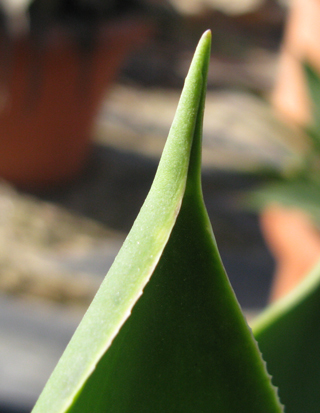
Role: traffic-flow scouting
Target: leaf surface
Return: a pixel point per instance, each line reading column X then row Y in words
column 165, row 332
column 288, row 333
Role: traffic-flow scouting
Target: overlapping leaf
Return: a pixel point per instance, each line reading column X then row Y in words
column 288, row 334
column 165, row 332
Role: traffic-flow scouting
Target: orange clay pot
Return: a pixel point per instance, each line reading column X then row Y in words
column 295, row 244
column 45, row 131
column 301, row 43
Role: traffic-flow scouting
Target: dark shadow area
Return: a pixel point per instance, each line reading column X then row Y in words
column 5, row 408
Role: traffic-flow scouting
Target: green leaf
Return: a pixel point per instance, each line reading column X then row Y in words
column 303, row 194
column 288, row 333
column 313, row 83
column 165, row 332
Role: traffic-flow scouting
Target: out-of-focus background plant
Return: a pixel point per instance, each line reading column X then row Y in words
column 289, row 206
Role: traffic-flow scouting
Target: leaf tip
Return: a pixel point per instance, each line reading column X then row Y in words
column 207, row 34
column 205, row 39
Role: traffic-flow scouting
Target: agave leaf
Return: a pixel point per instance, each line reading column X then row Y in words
column 165, row 332
column 288, row 333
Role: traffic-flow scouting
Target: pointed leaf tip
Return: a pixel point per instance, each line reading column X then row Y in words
column 206, row 38
column 138, row 257
column 204, row 44
column 207, row 34
column 165, row 332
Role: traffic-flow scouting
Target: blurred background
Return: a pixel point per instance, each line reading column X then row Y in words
column 88, row 91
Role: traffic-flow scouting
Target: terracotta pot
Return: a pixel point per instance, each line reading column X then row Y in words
column 295, row 244
column 45, row 124
column 301, row 43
